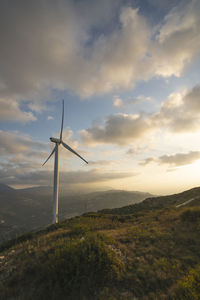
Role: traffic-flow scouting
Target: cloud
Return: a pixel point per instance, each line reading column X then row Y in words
column 147, row 161
column 117, row 102
column 102, row 163
column 118, row 129
column 127, row 103
column 181, row 111
column 89, row 47
column 63, row 32
column 132, row 151
column 10, row 111
column 140, row 99
column 178, row 40
column 19, row 155
column 16, row 143
column 50, row 118
column 45, row 177
column 136, row 150
column 22, row 157
column 178, row 159
column 116, row 69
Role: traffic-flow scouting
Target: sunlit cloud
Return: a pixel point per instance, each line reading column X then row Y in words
column 11, row 111
column 101, row 163
column 71, row 57
column 177, row 39
column 178, row 159
column 117, row 102
column 118, row 129
column 179, row 113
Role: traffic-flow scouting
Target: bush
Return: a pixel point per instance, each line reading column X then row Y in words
column 191, row 215
column 79, row 269
column 79, row 229
column 189, row 287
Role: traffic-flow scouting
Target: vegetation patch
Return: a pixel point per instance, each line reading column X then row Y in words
column 149, row 254
column 73, row 268
column 191, row 215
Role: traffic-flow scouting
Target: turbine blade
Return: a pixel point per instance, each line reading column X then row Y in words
column 61, row 130
column 70, row 149
column 49, row 156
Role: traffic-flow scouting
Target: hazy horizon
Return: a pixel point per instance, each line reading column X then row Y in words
column 91, row 189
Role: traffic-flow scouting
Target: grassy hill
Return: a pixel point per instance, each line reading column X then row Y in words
column 144, row 251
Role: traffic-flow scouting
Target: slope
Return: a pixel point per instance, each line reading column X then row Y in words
column 152, row 253
column 187, row 198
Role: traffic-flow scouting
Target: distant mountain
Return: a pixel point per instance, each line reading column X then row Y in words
column 22, row 210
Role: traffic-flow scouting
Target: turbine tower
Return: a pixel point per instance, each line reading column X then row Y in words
column 58, row 142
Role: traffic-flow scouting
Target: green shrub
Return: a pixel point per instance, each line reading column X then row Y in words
column 79, row 268
column 191, row 215
column 79, row 229
column 189, row 287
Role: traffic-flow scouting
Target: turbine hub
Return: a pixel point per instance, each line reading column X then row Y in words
column 55, row 140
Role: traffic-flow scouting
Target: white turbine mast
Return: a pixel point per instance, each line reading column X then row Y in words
column 58, row 142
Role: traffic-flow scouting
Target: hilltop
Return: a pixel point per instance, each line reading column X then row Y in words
column 150, row 250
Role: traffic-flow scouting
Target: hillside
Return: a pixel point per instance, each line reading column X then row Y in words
column 187, row 198
column 151, row 252
column 27, row 209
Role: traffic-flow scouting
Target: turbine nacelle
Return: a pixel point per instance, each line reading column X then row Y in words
column 55, row 140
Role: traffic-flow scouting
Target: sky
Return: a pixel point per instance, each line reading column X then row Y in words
column 129, row 74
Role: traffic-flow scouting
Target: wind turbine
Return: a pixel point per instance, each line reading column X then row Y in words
column 58, row 142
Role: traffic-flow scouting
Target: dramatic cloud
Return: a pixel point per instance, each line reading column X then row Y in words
column 118, row 129
column 50, row 48
column 178, row 40
column 181, row 112
column 178, row 159
column 66, row 45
